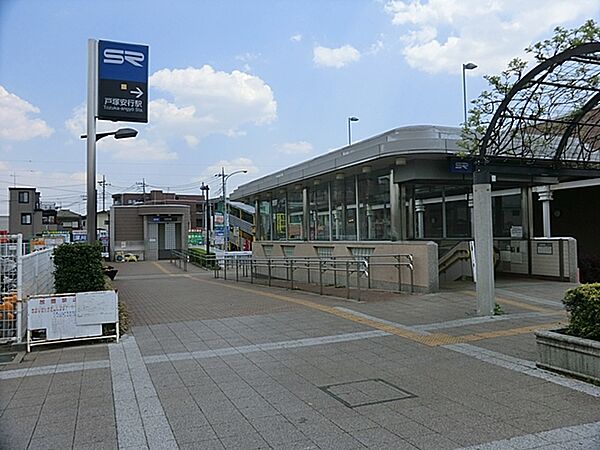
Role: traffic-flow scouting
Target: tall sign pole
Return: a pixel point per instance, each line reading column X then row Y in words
column 91, row 138
column 117, row 91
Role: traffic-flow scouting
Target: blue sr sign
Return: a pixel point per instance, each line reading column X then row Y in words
column 122, row 82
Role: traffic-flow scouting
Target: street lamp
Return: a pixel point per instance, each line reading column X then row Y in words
column 465, row 67
column 224, row 178
column 351, row 119
column 121, row 133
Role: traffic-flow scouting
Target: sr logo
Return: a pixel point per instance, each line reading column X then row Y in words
column 116, row 56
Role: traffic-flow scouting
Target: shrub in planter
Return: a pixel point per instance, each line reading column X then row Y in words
column 78, row 268
column 583, row 305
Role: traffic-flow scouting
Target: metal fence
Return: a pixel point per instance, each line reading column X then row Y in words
column 351, row 272
column 11, row 249
column 21, row 275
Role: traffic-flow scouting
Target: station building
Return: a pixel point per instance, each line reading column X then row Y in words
column 408, row 190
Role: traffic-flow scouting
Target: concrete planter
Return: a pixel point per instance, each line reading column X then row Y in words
column 569, row 355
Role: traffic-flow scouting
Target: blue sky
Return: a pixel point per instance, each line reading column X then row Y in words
column 256, row 85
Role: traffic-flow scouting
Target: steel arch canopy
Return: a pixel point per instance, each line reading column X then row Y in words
column 551, row 116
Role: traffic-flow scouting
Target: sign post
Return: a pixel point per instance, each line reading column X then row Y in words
column 117, row 91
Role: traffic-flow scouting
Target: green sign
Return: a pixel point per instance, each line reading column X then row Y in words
column 195, row 238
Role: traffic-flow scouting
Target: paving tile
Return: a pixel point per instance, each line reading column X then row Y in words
column 52, row 442
column 244, row 442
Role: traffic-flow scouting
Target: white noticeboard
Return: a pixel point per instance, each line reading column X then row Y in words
column 71, row 316
column 96, row 307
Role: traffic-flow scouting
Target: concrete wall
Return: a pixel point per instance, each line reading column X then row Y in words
column 425, row 256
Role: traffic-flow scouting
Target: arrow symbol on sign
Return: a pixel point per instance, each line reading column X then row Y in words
column 137, row 92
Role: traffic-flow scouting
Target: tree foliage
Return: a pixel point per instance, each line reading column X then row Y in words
column 539, row 102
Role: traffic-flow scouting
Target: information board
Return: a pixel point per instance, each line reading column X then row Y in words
column 57, row 315
column 71, row 316
column 96, row 307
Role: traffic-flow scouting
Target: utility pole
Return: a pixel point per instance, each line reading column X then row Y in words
column 143, row 185
column 225, row 216
column 104, row 183
column 205, row 188
column 224, row 178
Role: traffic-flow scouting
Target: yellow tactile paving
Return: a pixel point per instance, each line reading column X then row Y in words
column 432, row 340
column 161, row 268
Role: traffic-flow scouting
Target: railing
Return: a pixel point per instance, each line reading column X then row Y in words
column 21, row 275
column 181, row 258
column 347, row 271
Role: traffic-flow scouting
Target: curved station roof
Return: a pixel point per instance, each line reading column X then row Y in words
column 392, row 147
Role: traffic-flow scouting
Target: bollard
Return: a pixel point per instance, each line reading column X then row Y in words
column 251, row 272
column 237, row 277
column 291, row 275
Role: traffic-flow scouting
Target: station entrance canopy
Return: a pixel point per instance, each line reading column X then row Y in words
column 546, row 126
column 549, row 122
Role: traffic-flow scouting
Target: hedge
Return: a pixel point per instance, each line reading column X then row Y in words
column 583, row 306
column 78, row 268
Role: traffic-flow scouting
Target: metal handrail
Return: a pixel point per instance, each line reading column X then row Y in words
column 361, row 266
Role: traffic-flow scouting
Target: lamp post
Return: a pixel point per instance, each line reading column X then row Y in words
column 465, row 67
column 121, row 133
column 206, row 188
column 224, row 178
column 351, row 119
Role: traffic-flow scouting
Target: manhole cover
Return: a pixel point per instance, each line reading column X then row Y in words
column 366, row 392
column 6, row 358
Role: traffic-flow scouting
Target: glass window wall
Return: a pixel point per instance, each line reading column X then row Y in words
column 374, row 203
column 319, row 213
column 295, row 215
column 264, row 231
column 278, row 209
column 343, row 202
column 506, row 213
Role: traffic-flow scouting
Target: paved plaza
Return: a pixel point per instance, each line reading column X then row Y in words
column 217, row 364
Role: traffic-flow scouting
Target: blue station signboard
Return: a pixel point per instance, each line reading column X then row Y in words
column 122, row 82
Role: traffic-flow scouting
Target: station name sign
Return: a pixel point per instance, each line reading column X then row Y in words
column 122, row 82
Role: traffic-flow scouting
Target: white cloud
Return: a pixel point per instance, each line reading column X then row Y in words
column 16, row 123
column 142, row 148
column 247, row 57
column 295, row 148
column 335, row 57
column 192, row 141
column 296, row 37
column 221, row 101
column 376, row 47
column 440, row 35
column 241, row 163
column 197, row 103
column 137, row 149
